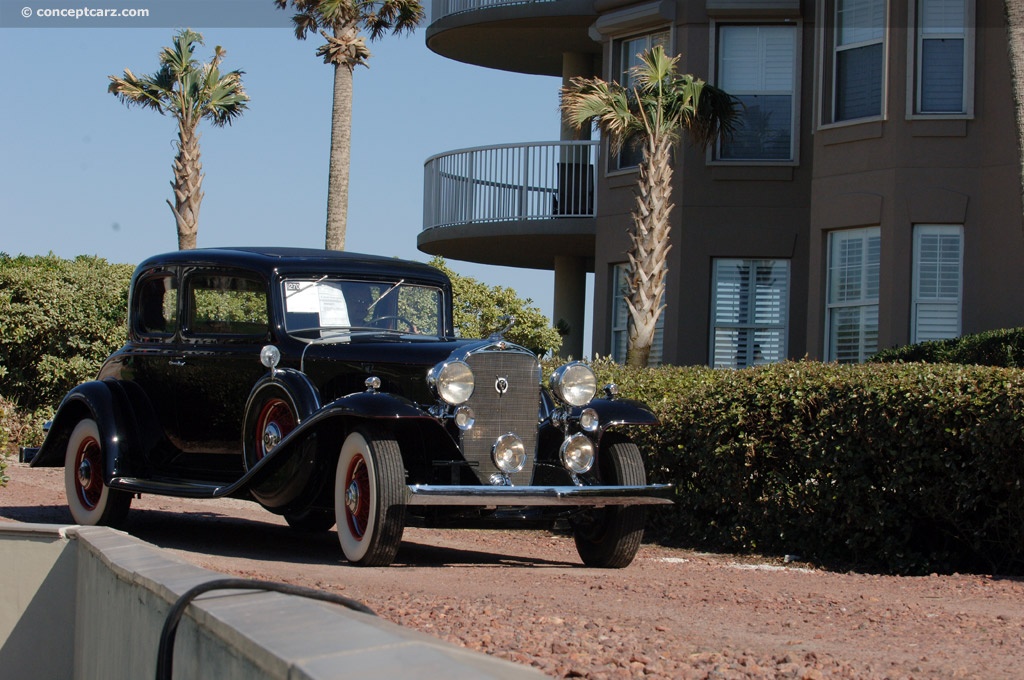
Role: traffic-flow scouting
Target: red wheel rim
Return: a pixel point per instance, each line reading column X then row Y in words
column 357, row 497
column 88, row 472
column 276, row 420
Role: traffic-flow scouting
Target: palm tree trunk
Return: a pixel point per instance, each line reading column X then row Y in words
column 648, row 259
column 1015, row 35
column 187, row 186
column 340, row 162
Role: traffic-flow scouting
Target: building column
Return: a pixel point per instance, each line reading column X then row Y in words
column 575, row 65
column 571, row 271
column 570, row 303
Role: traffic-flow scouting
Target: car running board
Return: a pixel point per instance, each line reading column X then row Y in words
column 183, row 488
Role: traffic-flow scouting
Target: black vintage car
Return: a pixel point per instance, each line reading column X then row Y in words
column 330, row 388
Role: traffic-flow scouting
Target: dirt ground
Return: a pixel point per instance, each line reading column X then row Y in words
column 524, row 596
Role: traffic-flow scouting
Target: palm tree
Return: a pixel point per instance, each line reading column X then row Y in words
column 339, row 22
column 654, row 109
column 191, row 92
column 1014, row 10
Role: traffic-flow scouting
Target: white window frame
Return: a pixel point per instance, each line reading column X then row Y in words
column 937, row 296
column 621, row 62
column 865, row 305
column 915, row 57
column 753, row 353
column 619, row 326
column 718, row 74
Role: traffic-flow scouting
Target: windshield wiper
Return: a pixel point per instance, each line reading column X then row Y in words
column 384, row 295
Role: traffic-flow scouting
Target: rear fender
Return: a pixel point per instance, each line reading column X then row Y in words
column 305, row 396
column 96, row 400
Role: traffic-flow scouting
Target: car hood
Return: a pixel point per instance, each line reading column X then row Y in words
column 339, row 369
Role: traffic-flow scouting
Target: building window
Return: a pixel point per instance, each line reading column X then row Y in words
column 851, row 325
column 757, row 64
column 941, row 57
column 627, row 55
column 858, row 59
column 620, row 321
column 749, row 312
column 938, row 282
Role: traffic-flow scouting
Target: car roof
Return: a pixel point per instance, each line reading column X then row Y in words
column 294, row 260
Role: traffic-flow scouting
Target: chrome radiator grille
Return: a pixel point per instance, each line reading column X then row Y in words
column 506, row 399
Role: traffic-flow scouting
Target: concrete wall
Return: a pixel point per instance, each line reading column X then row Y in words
column 37, row 601
column 90, row 602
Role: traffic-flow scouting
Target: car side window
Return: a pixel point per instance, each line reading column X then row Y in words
column 157, row 306
column 227, row 305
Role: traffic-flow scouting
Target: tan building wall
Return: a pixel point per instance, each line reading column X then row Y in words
column 892, row 172
column 904, row 171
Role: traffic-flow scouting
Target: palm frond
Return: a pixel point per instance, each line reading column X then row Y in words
column 305, row 23
column 607, row 104
column 654, row 70
column 180, row 56
column 139, row 91
column 227, row 99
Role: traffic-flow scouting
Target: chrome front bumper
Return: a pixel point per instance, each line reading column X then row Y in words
column 495, row 496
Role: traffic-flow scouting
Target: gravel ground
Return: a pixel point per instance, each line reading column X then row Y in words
column 524, row 596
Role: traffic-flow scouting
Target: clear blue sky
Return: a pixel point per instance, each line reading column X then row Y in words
column 80, row 173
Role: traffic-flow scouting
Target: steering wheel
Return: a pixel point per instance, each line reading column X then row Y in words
column 382, row 322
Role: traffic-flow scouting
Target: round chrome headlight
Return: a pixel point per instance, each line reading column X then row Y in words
column 577, row 453
column 464, row 418
column 452, row 381
column 574, row 384
column 509, row 453
column 589, row 420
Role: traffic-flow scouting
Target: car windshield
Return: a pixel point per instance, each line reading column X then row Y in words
column 339, row 310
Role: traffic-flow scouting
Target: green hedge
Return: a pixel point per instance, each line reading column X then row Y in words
column 59, row 319
column 1003, row 347
column 887, row 467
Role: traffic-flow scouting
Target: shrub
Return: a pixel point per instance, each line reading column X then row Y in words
column 896, row 468
column 1003, row 347
column 479, row 308
column 59, row 319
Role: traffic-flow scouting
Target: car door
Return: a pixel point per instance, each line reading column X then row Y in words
column 225, row 323
column 152, row 358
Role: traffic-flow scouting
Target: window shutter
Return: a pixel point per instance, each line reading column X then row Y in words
column 750, row 312
column 853, row 287
column 938, row 276
column 860, row 20
column 942, row 16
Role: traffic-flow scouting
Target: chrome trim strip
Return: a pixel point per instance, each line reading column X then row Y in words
column 430, row 494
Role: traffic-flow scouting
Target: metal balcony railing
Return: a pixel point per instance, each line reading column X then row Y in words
column 444, row 8
column 510, row 182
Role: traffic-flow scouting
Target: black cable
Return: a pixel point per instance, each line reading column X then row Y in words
column 165, row 653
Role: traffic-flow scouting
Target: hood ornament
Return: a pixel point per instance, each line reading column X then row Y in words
column 508, row 320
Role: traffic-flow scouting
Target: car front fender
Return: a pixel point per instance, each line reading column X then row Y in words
column 294, row 473
column 616, row 412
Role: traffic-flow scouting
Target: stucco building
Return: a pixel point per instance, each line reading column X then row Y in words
column 869, row 199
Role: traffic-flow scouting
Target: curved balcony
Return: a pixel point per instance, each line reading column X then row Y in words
column 523, row 36
column 517, row 205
